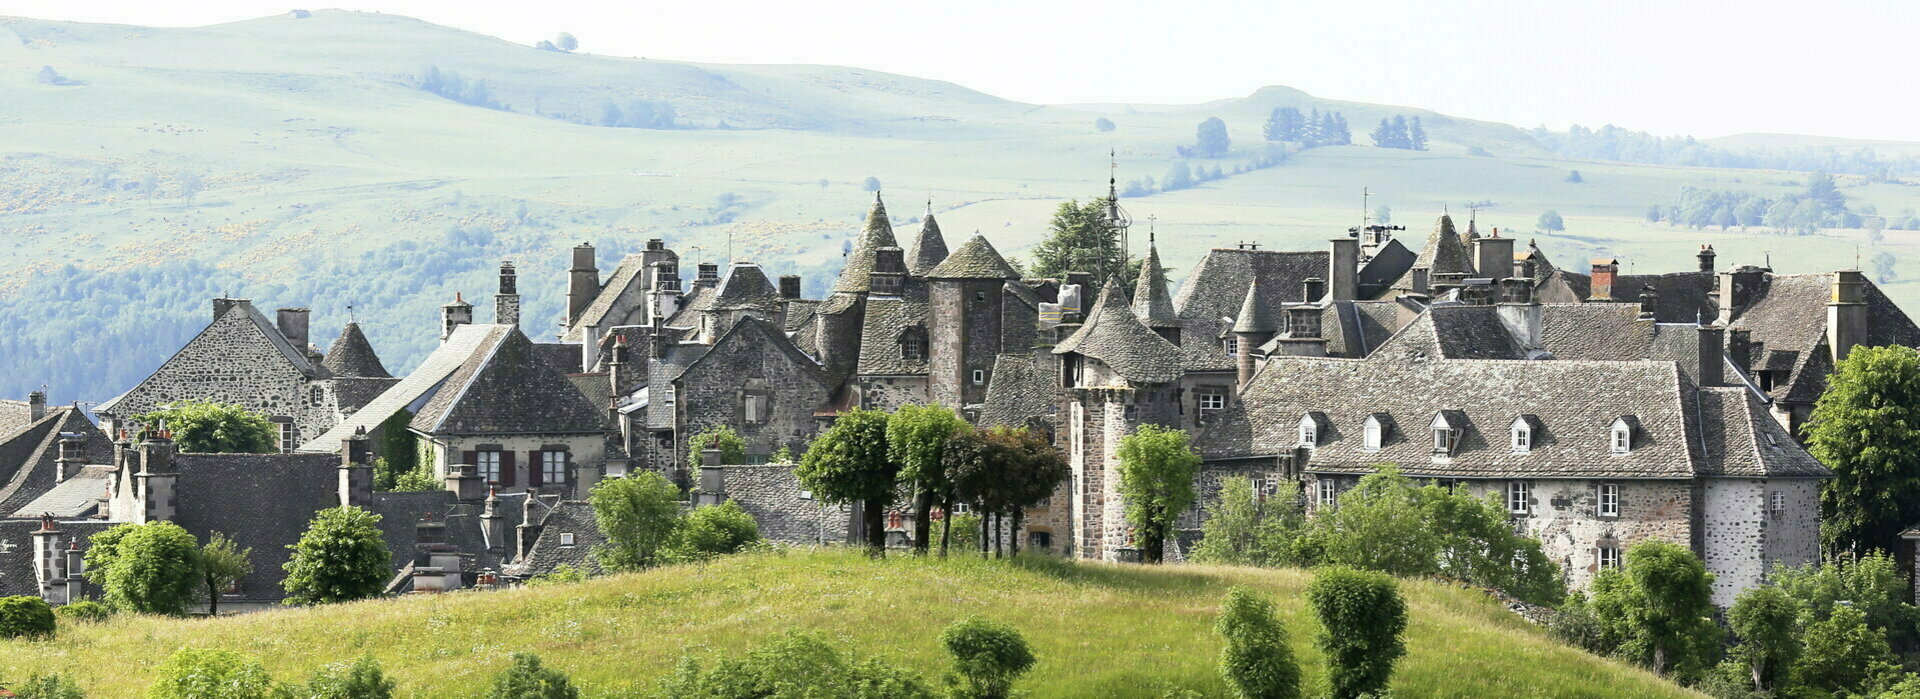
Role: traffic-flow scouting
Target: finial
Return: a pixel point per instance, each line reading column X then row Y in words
column 876, row 196
column 1151, row 218
column 929, row 205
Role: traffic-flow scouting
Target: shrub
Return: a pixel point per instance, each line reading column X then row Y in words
column 25, row 616
column 713, row 531
column 360, row 679
column 342, row 557
column 1361, row 620
column 638, row 515
column 83, row 611
column 215, row 428
column 151, row 568
column 527, row 679
column 793, row 664
column 562, row 574
column 987, row 657
column 1256, row 662
column 1843, row 655
column 197, row 674
column 54, row 686
column 733, row 449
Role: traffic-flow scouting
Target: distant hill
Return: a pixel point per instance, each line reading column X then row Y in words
column 1097, row 630
column 380, row 162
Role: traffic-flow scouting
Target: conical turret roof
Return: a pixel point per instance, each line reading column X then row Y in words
column 1115, row 336
column 929, row 248
column 1444, row 253
column 1255, row 316
column 1151, row 301
column 878, row 234
column 351, row 355
column 976, row 259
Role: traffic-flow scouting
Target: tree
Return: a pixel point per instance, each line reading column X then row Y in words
column 849, row 464
column 1882, row 264
column 638, row 515
column 1844, row 655
column 1103, row 124
column 1865, row 427
column 792, row 665
column 1340, row 135
column 1210, row 138
column 1241, row 528
column 1384, row 135
column 1031, row 469
column 1873, row 583
column 54, row 686
column 1573, row 177
column 526, row 678
column 1283, row 124
column 25, row 616
column 566, row 42
column 714, row 530
column 916, row 438
column 1766, row 619
column 1256, row 663
column 214, row 428
column 1080, row 238
column 1382, row 214
column 1157, row 466
column 342, row 557
column 1824, row 193
column 988, row 656
column 871, row 184
column 1550, row 221
column 360, row 679
column 222, row 563
column 1416, row 136
column 1658, row 610
column 1362, row 619
column 151, row 568
column 192, row 673
column 733, row 449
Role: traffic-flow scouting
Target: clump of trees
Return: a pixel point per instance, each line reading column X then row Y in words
column 1287, row 124
column 1210, row 140
column 1001, row 472
column 1656, row 610
column 1157, row 467
column 1614, row 143
column 212, row 428
column 1400, row 132
column 792, row 664
column 733, row 448
column 849, row 464
column 1820, row 205
column 563, row 43
column 194, row 673
column 639, row 114
column 1080, row 238
column 641, row 518
column 449, row 84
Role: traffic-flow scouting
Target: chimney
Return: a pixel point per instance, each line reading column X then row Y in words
column 356, row 469
column 790, row 286
column 1493, row 256
column 154, row 484
column 293, row 326
column 708, row 275
column 1847, row 313
column 506, row 304
column 659, row 343
column 492, row 527
column 617, row 367
column 656, row 245
column 1737, row 289
column 1343, row 268
column 889, row 272
column 1740, row 349
column 465, row 481
column 49, row 566
column 1302, row 338
column 1604, row 271
column 583, row 282
column 72, row 456
column 1519, row 312
column 1713, row 348
column 1313, row 289
column 1649, row 302
column 36, row 406
column 528, row 531
column 220, row 305
column 454, row 315
column 1706, row 258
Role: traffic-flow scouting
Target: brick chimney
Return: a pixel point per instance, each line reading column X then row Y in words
column 583, row 282
column 790, row 286
column 1847, row 323
column 1604, row 271
column 293, row 326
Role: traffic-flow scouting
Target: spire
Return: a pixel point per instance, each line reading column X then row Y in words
column 352, row 355
column 1444, row 252
column 929, row 248
column 855, row 277
column 1150, row 301
column 1255, row 316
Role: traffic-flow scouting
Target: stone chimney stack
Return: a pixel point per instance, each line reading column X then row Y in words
column 528, row 531
column 1847, row 313
column 889, row 273
column 36, row 406
column 1604, row 271
column 583, row 282
column 790, row 286
column 222, row 304
column 465, row 482
column 1519, row 311
column 454, row 315
column 1493, row 256
column 492, row 525
column 49, row 566
column 356, row 470
column 506, row 304
column 1737, row 288
column 1713, row 348
column 1740, row 349
column 1302, row 337
column 1706, row 258
column 72, row 456
column 708, row 275
column 293, row 325
column 1343, row 269
column 1649, row 303
column 616, row 369
column 155, row 483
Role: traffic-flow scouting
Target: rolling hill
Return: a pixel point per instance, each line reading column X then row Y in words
column 1098, row 630
column 339, row 159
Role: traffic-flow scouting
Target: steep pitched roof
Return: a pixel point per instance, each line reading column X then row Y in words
column 28, row 456
column 281, row 494
column 1151, row 301
column 855, row 277
column 241, row 325
column 1444, row 253
column 1213, row 292
column 1743, row 439
column 1255, row 316
column 976, row 259
column 509, row 390
column 1116, row 337
column 1787, row 319
column 623, row 277
column 928, row 249
column 351, row 355
column 465, row 342
column 1022, row 391
column 887, row 319
column 745, row 287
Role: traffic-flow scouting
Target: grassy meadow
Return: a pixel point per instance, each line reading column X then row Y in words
column 1098, row 630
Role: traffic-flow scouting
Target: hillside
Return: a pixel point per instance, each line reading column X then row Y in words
column 349, row 159
column 1098, row 630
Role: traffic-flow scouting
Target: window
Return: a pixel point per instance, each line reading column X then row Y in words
column 1622, row 436
column 753, row 407
column 1233, row 346
column 1211, row 400
column 1522, row 436
column 1309, row 431
column 1609, row 557
column 287, row 443
column 1776, row 502
column 979, row 297
column 1607, row 500
column 1370, row 433
column 553, row 467
column 489, row 466
column 979, row 377
column 671, row 393
column 1445, row 435
column 316, row 396
column 1517, row 497
column 566, row 538
column 913, row 347
column 1324, row 492
column 806, row 495
column 1039, row 540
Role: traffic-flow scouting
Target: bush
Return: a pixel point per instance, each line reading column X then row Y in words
column 198, row 674
column 360, row 679
column 1361, row 620
column 25, row 616
column 733, row 449
column 792, row 665
column 562, row 574
column 638, row 514
column 527, row 679
column 342, row 557
column 54, row 686
column 713, row 531
column 215, row 428
column 1256, row 662
column 151, row 568
column 1843, row 655
column 83, row 611
column 987, row 657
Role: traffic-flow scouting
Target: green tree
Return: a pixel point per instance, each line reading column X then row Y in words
column 1379, row 524
column 1256, row 663
column 1031, row 469
column 1550, row 221
column 151, row 568
column 1866, row 428
column 1210, row 138
column 638, row 515
column 972, row 464
column 988, row 656
column 54, row 686
column 526, row 678
column 1822, row 190
column 1659, row 609
column 1416, row 136
column 1157, row 466
column 1766, row 620
column 25, row 616
column 849, row 464
column 222, row 563
column 192, row 673
column 213, row 428
column 1362, row 622
column 360, row 679
column 1844, row 655
column 713, row 530
column 1241, row 528
column 733, row 449
column 342, row 557
column 1873, row 584
column 1080, row 238
column 916, row 438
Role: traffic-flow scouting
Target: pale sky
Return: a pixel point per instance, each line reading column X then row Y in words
column 1706, row 68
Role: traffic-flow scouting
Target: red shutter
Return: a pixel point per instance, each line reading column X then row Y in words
column 535, row 465
column 506, row 468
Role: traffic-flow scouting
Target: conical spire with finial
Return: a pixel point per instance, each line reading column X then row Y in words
column 929, row 248
column 1151, row 302
column 857, row 275
column 1116, row 337
column 1255, row 316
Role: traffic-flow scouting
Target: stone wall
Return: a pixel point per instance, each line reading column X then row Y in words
column 1562, row 515
column 1743, row 537
column 711, row 392
column 587, row 456
column 784, row 511
column 888, row 393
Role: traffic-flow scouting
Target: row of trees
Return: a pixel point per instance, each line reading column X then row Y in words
column 1614, row 143
column 1820, row 205
column 1400, row 132
column 1287, row 124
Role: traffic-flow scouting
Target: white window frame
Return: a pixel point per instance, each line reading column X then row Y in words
column 553, row 467
column 1522, row 436
column 1370, row 434
column 288, row 441
column 1621, row 437
column 1606, row 557
column 316, row 396
column 1445, row 437
column 670, row 396
column 1519, row 497
column 1211, row 400
column 1776, row 502
column 1606, row 500
column 486, row 463
column 1233, row 346
column 1308, row 432
column 979, row 377
column 1325, row 495
column 566, row 538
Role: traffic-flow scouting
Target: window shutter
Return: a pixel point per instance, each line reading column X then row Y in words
column 470, row 458
column 506, row 468
column 535, row 469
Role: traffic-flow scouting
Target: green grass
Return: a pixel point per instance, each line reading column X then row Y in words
column 1098, row 630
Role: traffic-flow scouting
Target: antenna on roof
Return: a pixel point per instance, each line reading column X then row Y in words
column 1366, row 213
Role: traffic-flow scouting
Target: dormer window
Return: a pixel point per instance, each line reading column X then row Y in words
column 1521, row 434
column 1446, row 429
column 1233, row 346
column 1621, row 434
column 1309, row 431
column 1373, row 432
column 913, row 345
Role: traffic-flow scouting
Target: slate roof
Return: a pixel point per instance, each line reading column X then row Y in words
column 508, row 390
column 351, row 355
column 352, row 393
column 261, row 501
column 1151, row 302
column 886, row 319
column 1116, row 337
column 1788, row 314
column 426, row 379
column 799, row 311
column 745, row 287
column 14, row 414
column 29, row 454
column 1742, row 439
column 976, row 259
column 1389, row 263
column 1214, row 291
column 1255, row 316
column 1683, row 297
column 928, row 249
column 73, row 498
column 624, row 275
column 1022, row 391
column 567, row 517
column 1445, row 252
column 1357, row 328
column 855, row 277
column 16, row 551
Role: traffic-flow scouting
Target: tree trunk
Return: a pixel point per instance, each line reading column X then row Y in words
column 213, row 599
column 922, row 509
column 1659, row 660
column 946, row 525
column 876, row 517
column 986, row 521
column 1018, row 515
column 1758, row 672
column 999, row 524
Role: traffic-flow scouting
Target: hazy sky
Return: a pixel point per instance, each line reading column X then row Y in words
column 1707, row 68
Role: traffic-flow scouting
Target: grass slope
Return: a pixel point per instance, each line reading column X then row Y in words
column 1098, row 630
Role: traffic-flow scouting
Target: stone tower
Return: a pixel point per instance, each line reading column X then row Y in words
column 1252, row 328
column 844, row 310
column 1151, row 301
column 964, row 308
